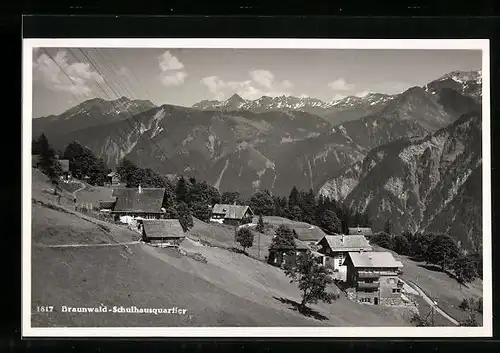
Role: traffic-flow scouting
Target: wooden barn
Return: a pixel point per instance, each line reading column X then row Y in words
column 162, row 231
column 281, row 255
column 231, row 214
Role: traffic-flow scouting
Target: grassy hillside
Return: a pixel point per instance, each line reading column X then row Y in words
column 228, row 289
column 439, row 285
column 218, row 287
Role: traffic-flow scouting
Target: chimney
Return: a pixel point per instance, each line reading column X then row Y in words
column 140, row 189
column 342, row 238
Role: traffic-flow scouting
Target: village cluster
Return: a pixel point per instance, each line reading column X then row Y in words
column 367, row 276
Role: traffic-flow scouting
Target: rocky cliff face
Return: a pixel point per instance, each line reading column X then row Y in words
column 420, row 183
column 277, row 143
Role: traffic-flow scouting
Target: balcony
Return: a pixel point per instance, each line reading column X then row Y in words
column 368, row 275
column 368, row 285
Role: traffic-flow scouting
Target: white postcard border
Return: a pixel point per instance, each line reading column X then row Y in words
column 255, row 43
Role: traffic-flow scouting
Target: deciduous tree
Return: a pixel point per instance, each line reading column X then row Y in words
column 329, row 222
column 384, row 240
column 262, row 203
column 442, row 251
column 283, row 238
column 465, row 270
column 185, row 217
column 401, row 245
column 181, row 190
column 244, row 237
column 312, row 280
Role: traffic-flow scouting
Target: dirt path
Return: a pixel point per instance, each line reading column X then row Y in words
column 80, row 189
column 87, row 245
column 431, row 303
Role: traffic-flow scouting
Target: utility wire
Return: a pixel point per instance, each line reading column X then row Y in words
column 163, row 153
column 73, row 82
column 134, row 128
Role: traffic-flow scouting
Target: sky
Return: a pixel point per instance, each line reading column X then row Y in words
column 65, row 77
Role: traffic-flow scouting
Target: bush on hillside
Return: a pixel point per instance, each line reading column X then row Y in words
column 330, row 223
column 384, row 240
column 244, row 237
column 185, row 217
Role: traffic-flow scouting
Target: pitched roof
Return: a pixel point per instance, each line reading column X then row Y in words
column 149, row 200
column 308, row 233
column 163, row 228
column 374, row 259
column 361, row 231
column 346, row 242
column 231, row 211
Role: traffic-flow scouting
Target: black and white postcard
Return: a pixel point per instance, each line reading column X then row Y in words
column 256, row 187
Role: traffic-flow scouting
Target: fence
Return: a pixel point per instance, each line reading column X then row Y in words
column 91, row 210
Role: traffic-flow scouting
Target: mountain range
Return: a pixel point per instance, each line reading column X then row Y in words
column 275, row 143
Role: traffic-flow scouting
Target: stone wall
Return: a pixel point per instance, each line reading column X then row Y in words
column 391, row 301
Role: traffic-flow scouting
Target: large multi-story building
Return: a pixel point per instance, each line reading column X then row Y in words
column 374, row 276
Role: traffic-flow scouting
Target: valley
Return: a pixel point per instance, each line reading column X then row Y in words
column 342, row 149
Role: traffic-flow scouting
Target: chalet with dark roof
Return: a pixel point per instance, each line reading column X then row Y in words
column 231, row 214
column 162, row 231
column 145, row 203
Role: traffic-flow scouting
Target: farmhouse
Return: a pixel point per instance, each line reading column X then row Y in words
column 162, row 231
column 367, row 232
column 281, row 255
column 143, row 203
column 113, row 179
column 336, row 248
column 231, row 214
column 374, row 277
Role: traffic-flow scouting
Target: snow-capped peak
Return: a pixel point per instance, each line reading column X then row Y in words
column 282, row 102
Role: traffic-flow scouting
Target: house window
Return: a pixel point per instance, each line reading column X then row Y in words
column 396, row 290
column 365, row 300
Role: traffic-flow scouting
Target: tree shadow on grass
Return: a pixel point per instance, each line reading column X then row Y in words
column 306, row 312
